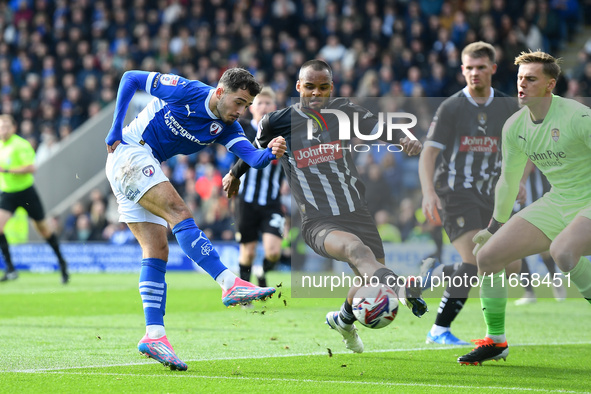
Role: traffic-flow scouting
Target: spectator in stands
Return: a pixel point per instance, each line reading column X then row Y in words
column 83, row 229
column 48, row 145
column 69, row 226
column 407, row 220
column 377, row 196
column 119, row 234
column 388, row 231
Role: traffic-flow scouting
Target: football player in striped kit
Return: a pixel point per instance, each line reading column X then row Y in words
column 466, row 130
column 327, row 188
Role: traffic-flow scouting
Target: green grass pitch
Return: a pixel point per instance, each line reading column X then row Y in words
column 81, row 338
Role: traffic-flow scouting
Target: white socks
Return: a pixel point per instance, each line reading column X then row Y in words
column 226, row 279
column 155, row 332
column 438, row 330
column 497, row 338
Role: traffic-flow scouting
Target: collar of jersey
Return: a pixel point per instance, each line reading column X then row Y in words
column 469, row 97
column 298, row 108
column 207, row 100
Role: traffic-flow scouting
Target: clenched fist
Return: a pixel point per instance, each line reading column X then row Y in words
column 278, row 146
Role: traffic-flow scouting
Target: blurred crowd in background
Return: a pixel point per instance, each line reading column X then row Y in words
column 61, row 61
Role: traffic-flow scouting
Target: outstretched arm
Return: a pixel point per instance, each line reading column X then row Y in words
column 259, row 158
column 131, row 82
column 276, row 148
column 265, row 138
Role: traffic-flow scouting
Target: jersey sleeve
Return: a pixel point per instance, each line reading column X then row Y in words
column 264, row 136
column 236, row 142
column 251, row 156
column 512, row 167
column 173, row 88
column 131, row 82
column 440, row 130
column 231, row 135
column 581, row 124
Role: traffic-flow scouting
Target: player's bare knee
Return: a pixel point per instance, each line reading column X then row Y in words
column 179, row 212
column 563, row 256
column 247, row 257
column 156, row 250
column 273, row 257
column 45, row 232
column 486, row 261
column 357, row 250
column 157, row 247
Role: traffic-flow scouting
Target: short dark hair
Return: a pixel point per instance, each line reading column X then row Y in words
column 550, row 64
column 239, row 78
column 316, row 65
column 480, row 49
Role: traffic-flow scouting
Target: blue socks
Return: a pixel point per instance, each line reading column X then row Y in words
column 199, row 249
column 152, row 283
column 153, row 290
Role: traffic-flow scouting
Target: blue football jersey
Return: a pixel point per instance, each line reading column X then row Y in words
column 178, row 120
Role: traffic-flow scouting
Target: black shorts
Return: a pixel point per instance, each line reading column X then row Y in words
column 359, row 223
column 464, row 211
column 28, row 199
column 252, row 220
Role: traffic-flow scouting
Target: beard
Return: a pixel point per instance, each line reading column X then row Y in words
column 221, row 109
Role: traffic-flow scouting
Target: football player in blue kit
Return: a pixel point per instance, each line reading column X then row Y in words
column 184, row 117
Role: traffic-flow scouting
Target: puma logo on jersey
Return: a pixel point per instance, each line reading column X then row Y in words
column 523, row 138
column 189, row 112
column 316, row 138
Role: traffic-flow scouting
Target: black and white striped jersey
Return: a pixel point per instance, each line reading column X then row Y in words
column 321, row 172
column 469, row 136
column 260, row 186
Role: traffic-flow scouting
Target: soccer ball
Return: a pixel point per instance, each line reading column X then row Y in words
column 375, row 306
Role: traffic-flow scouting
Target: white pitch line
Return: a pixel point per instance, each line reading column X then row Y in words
column 323, row 353
column 348, row 382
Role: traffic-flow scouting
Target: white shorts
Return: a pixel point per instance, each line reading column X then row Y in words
column 132, row 170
